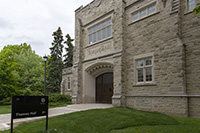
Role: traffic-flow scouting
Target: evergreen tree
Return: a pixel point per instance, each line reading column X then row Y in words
column 56, row 65
column 197, row 10
column 68, row 61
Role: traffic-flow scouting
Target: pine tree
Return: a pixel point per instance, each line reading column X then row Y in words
column 197, row 10
column 56, row 65
column 68, row 61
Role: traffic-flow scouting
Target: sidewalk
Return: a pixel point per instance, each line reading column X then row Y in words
column 5, row 118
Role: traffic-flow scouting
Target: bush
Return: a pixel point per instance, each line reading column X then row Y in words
column 6, row 101
column 28, row 92
column 59, row 100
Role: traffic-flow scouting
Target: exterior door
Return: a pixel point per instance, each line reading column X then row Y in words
column 104, row 88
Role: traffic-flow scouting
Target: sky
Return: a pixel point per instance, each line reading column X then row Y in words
column 34, row 21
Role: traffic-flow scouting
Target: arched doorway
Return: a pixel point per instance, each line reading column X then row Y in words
column 104, row 88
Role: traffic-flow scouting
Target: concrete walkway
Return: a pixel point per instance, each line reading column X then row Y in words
column 5, row 118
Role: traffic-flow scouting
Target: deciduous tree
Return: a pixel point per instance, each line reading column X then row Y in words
column 31, row 71
column 9, row 69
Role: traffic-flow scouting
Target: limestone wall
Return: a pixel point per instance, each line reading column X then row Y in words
column 170, row 36
column 190, row 26
column 108, row 50
column 168, row 105
column 155, row 34
column 66, row 84
column 173, row 38
column 194, row 107
column 190, row 29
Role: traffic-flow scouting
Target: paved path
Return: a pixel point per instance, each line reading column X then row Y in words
column 5, row 118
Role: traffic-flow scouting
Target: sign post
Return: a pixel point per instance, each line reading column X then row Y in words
column 29, row 106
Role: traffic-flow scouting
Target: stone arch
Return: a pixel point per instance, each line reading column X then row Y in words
column 99, row 68
column 89, row 79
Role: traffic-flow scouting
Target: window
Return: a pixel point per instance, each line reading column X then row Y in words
column 68, row 83
column 100, row 31
column 144, row 69
column 136, row 16
column 191, row 4
column 144, row 12
column 152, row 9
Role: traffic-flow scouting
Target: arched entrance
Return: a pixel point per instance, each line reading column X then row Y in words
column 98, row 78
column 104, row 88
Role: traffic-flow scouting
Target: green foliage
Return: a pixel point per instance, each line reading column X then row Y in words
column 28, row 92
column 197, row 10
column 31, row 71
column 59, row 98
column 68, row 61
column 57, row 44
column 9, row 77
column 56, row 100
column 6, row 101
column 20, row 70
column 56, row 65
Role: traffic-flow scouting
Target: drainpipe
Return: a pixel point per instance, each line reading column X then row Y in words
column 180, row 40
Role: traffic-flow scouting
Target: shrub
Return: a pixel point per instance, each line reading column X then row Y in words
column 28, row 92
column 59, row 100
column 6, row 101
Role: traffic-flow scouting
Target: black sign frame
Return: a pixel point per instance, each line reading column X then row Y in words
column 29, row 106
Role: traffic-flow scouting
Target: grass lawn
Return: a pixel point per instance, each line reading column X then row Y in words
column 186, row 125
column 112, row 120
column 5, row 109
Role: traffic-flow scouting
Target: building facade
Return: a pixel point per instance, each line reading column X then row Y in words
column 142, row 54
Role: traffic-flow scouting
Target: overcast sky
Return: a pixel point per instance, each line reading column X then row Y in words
column 34, row 21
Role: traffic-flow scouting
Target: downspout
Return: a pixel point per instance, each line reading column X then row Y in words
column 180, row 41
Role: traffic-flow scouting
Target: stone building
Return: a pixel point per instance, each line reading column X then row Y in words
column 142, row 54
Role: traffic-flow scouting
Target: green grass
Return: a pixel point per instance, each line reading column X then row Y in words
column 112, row 120
column 186, row 125
column 5, row 109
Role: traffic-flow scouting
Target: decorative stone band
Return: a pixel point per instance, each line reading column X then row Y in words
column 75, row 64
column 116, row 96
column 67, row 71
column 115, row 55
column 68, row 90
column 193, row 96
column 74, row 96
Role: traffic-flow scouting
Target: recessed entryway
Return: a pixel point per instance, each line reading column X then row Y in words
column 104, row 88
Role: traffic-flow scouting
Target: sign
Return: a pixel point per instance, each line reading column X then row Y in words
column 29, row 106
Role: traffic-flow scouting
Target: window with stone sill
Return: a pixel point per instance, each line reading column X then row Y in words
column 100, row 31
column 68, row 83
column 144, row 12
column 144, row 70
column 191, row 4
